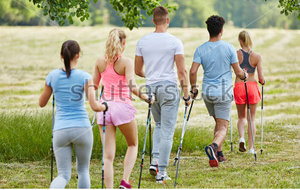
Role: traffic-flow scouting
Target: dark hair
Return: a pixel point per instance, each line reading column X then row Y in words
column 160, row 15
column 69, row 49
column 215, row 24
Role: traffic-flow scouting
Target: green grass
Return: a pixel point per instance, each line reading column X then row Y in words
column 30, row 140
column 273, row 169
column 25, row 129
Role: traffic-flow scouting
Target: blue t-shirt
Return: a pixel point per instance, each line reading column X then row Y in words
column 69, row 98
column 216, row 59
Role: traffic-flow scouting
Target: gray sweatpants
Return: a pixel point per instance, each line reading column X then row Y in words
column 164, row 111
column 82, row 138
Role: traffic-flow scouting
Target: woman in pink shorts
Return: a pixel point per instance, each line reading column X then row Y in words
column 249, row 61
column 117, row 75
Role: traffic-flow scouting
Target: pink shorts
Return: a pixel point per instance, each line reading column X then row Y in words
column 118, row 113
column 240, row 93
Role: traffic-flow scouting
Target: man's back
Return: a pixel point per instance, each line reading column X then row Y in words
column 158, row 51
column 216, row 59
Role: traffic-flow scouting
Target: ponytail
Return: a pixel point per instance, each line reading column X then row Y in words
column 68, row 51
column 245, row 38
column 66, row 55
column 114, row 43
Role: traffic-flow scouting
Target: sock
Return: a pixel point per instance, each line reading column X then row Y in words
column 220, row 153
column 215, row 144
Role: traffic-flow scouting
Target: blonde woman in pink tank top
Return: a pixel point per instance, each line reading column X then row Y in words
column 117, row 75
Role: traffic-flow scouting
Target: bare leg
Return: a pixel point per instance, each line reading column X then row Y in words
column 252, row 112
column 241, row 110
column 109, row 154
column 220, row 132
column 130, row 133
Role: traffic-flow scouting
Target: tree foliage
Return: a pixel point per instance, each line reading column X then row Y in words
column 133, row 13
column 129, row 10
column 17, row 12
column 289, row 7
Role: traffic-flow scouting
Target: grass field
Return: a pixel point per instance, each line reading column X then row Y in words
column 27, row 54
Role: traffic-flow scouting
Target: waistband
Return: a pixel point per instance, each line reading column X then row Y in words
column 249, row 82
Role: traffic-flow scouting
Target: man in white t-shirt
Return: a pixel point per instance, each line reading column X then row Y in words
column 158, row 51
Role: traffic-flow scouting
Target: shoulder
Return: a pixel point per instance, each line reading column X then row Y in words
column 100, row 60
column 54, row 72
column 101, row 63
column 239, row 52
column 255, row 56
column 174, row 38
column 126, row 61
column 146, row 37
column 80, row 72
column 229, row 45
column 202, row 47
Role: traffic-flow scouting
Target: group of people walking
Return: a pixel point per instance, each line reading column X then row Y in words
column 159, row 52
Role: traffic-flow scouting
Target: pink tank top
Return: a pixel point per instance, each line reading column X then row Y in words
column 116, row 88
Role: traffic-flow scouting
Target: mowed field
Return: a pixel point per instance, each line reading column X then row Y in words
column 28, row 54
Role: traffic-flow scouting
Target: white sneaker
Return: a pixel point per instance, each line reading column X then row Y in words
column 162, row 177
column 242, row 147
column 251, row 151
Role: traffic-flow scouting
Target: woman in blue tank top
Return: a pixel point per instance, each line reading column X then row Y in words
column 249, row 61
column 72, row 125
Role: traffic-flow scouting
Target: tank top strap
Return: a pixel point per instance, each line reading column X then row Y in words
column 246, row 62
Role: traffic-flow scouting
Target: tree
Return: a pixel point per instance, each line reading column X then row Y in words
column 14, row 12
column 289, row 7
column 129, row 10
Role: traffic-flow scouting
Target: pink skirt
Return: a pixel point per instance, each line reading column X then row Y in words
column 118, row 113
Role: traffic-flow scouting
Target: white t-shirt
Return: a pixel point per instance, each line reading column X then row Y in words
column 158, row 51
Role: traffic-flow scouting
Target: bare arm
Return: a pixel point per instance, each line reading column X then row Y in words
column 193, row 75
column 44, row 98
column 182, row 74
column 90, row 92
column 238, row 71
column 260, row 71
column 129, row 73
column 138, row 66
column 96, row 77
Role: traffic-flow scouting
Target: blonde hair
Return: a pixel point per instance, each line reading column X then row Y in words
column 114, row 43
column 245, row 38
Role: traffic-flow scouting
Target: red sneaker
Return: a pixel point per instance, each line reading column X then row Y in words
column 211, row 152
column 124, row 185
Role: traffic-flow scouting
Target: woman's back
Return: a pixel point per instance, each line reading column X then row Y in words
column 115, row 84
column 248, row 61
column 69, row 96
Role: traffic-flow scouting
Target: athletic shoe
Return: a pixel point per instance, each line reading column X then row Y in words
column 162, row 177
column 211, row 152
column 153, row 168
column 251, row 151
column 221, row 159
column 242, row 147
column 124, row 185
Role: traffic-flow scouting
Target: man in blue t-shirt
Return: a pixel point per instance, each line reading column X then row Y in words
column 216, row 57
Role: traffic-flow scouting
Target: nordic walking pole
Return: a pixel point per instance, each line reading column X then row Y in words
column 182, row 134
column 231, row 132
column 249, row 113
column 145, row 140
column 103, row 141
column 262, row 110
column 52, row 152
column 150, row 136
column 185, row 121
